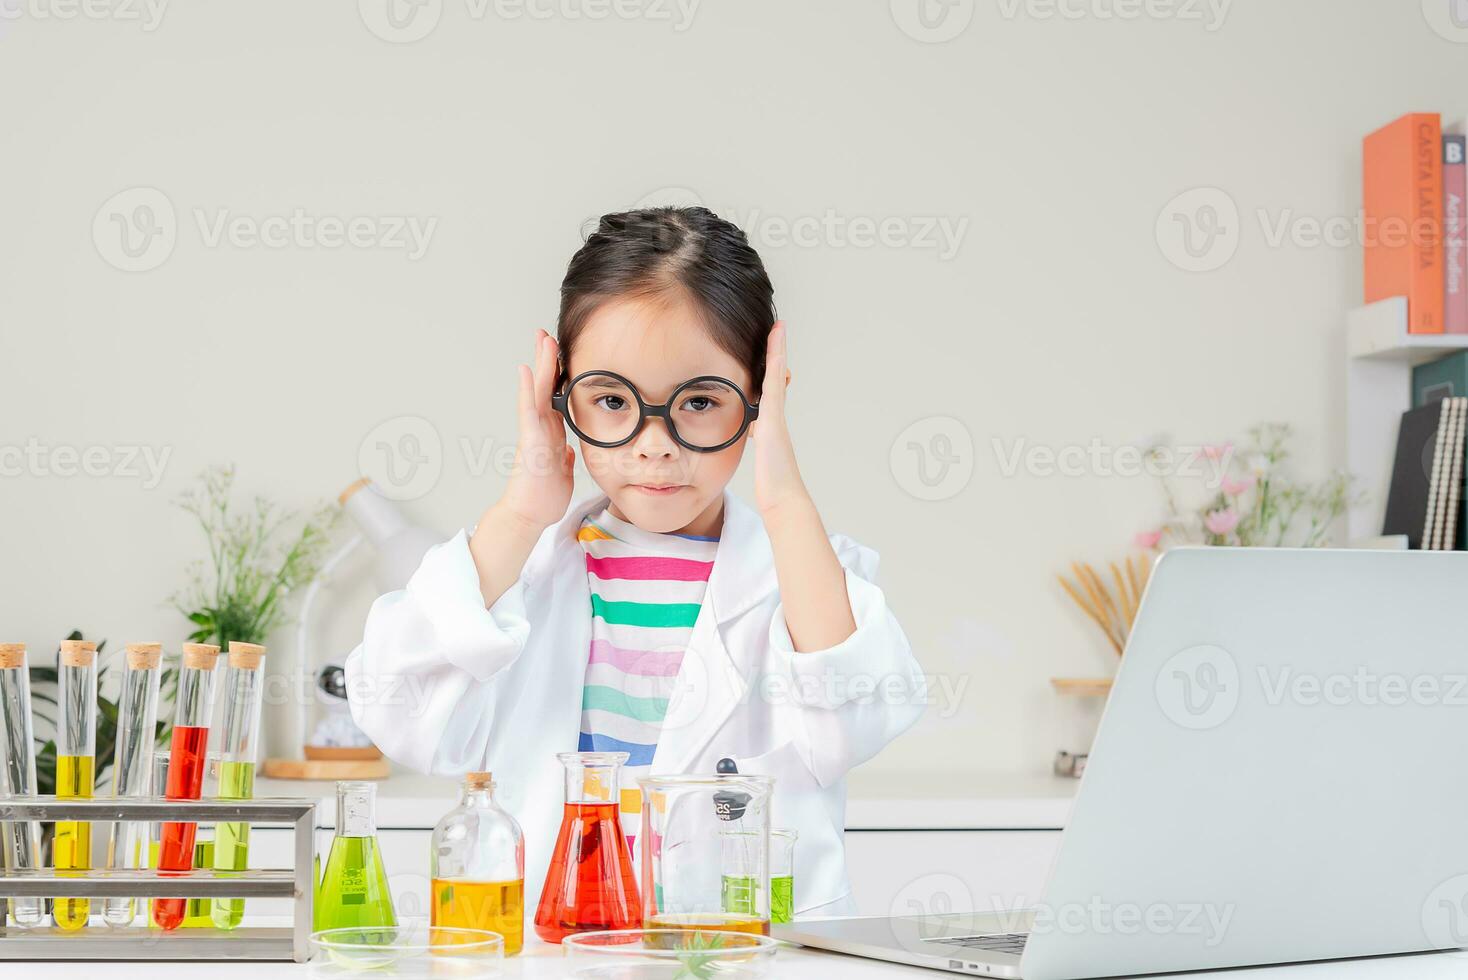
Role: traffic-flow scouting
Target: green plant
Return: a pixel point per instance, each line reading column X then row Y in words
column 255, row 561
column 700, row 960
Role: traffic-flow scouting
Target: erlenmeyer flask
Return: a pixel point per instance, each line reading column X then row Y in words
column 591, row 885
column 354, row 889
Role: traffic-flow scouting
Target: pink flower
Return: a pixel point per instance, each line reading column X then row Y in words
column 1234, row 487
column 1147, row 540
column 1218, row 451
column 1221, row 523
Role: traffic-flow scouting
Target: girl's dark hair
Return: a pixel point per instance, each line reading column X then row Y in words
column 653, row 251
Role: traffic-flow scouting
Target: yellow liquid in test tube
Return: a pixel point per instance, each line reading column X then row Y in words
column 72, row 848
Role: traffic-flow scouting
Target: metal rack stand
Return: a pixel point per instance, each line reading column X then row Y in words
column 103, row 942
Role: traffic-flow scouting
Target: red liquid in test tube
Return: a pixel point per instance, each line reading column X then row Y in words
column 186, row 762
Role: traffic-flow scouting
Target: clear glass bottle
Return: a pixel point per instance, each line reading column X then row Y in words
column 132, row 764
column 478, row 866
column 22, row 839
column 240, row 725
column 354, row 889
column 76, row 767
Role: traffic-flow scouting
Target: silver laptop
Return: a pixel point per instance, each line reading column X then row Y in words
column 1279, row 776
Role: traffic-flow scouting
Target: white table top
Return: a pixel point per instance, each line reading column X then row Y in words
column 541, row 960
column 999, row 801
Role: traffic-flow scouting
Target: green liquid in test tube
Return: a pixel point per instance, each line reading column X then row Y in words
column 240, row 726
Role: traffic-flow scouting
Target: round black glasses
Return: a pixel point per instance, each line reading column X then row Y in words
column 704, row 414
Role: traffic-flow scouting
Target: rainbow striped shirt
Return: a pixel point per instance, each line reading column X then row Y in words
column 646, row 590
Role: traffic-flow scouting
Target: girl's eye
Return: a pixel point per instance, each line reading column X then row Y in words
column 700, row 403
column 612, row 403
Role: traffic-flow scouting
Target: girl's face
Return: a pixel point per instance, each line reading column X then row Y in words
column 657, row 343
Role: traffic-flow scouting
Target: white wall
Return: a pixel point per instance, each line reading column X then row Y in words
column 1059, row 320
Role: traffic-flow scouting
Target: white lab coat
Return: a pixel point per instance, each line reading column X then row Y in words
column 444, row 685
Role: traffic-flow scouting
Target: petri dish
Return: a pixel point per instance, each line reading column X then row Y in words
column 410, row 949
column 655, row 953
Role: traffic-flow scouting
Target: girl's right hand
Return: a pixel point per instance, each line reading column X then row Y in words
column 541, row 483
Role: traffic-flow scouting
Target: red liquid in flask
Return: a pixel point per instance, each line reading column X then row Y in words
column 185, row 782
column 590, row 885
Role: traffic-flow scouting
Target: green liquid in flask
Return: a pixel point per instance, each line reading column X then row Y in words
column 354, row 888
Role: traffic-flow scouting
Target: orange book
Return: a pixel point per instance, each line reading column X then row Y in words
column 1402, row 178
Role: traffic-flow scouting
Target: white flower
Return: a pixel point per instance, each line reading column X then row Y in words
column 1259, row 464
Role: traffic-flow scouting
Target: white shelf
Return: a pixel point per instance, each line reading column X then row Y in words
column 1379, row 332
column 1380, row 355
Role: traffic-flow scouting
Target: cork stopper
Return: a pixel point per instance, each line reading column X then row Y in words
column 245, row 656
column 12, row 655
column 78, row 653
column 479, row 780
column 144, row 656
column 200, row 656
column 346, row 494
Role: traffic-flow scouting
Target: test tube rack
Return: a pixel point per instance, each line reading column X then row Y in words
column 139, row 942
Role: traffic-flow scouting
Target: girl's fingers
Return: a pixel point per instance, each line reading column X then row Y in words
column 526, row 402
column 537, row 369
column 545, row 370
column 772, row 395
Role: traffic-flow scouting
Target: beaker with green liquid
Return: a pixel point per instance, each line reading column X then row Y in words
column 239, row 726
column 354, row 889
column 698, row 832
column 739, row 883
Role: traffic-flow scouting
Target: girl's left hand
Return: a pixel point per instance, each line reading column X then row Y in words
column 777, row 482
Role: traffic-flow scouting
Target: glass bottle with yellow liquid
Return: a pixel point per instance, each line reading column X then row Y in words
column 76, row 758
column 478, row 862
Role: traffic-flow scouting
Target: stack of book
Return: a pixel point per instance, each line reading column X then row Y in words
column 1415, row 241
column 1414, row 187
column 1426, row 502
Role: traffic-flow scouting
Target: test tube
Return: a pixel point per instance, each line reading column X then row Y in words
column 22, row 838
column 137, row 715
column 76, row 767
column 237, row 744
column 186, row 758
column 155, row 827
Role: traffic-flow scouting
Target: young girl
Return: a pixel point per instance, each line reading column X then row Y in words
column 663, row 618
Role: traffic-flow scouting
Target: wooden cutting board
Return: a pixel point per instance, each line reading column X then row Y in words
column 328, row 769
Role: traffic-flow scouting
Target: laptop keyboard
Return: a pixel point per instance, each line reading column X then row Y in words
column 1009, row 942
